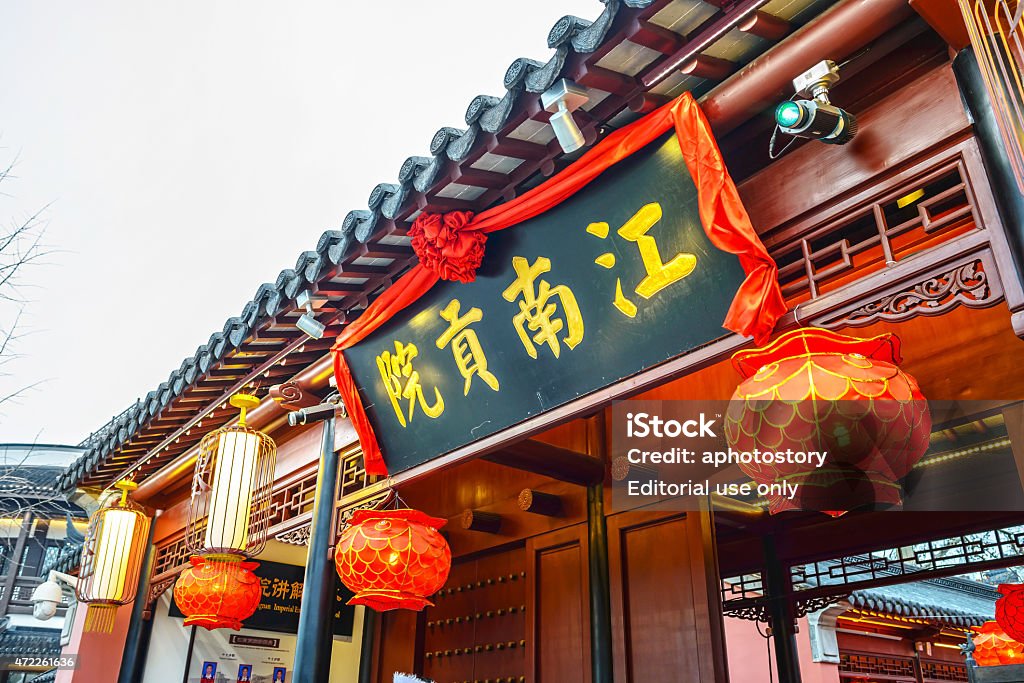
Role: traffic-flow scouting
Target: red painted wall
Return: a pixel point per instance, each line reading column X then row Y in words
column 99, row 654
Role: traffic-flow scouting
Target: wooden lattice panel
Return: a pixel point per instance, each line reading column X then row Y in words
column 917, row 215
column 353, row 478
column 892, row 668
column 943, row 671
column 293, row 499
column 170, row 556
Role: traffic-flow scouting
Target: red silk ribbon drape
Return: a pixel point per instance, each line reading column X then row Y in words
column 755, row 308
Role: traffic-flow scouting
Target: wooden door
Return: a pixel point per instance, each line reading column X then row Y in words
column 558, row 614
column 476, row 630
column 666, row 619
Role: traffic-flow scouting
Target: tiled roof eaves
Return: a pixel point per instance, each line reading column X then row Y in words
column 387, row 201
column 951, row 602
column 453, row 151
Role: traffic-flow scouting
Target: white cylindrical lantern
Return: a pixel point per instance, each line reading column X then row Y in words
column 115, row 544
column 230, row 508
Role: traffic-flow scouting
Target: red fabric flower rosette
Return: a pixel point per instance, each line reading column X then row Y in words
column 393, row 559
column 817, row 390
column 447, row 245
column 218, row 592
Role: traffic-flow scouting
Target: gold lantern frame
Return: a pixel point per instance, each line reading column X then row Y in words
column 229, row 512
column 112, row 556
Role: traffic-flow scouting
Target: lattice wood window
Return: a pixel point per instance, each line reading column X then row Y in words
column 170, row 556
column 292, row 500
column 892, row 668
column 296, row 498
column 911, row 218
column 943, row 671
column 353, row 476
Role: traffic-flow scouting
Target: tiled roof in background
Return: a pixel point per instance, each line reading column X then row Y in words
column 505, row 146
column 955, row 602
column 30, row 642
column 36, row 487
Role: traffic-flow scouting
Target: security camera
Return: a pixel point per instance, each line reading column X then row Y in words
column 46, row 598
column 816, row 118
column 49, row 595
column 562, row 99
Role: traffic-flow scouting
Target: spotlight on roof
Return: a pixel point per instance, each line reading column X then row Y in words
column 307, row 321
column 816, row 118
column 563, row 98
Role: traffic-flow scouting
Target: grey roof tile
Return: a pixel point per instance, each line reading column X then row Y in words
column 485, row 114
column 954, row 602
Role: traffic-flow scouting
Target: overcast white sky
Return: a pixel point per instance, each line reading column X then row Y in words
column 193, row 149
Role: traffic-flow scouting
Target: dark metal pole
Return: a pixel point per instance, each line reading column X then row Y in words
column 776, row 585
column 188, row 654
column 600, row 596
column 140, row 629
column 366, row 646
column 313, row 647
column 993, row 153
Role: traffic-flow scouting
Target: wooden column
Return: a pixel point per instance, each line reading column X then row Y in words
column 188, row 654
column 1013, row 418
column 366, row 646
column 316, row 613
column 140, row 629
column 997, row 163
column 777, row 587
column 600, row 595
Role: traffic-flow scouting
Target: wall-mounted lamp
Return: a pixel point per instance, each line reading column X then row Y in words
column 816, row 118
column 563, row 98
column 307, row 321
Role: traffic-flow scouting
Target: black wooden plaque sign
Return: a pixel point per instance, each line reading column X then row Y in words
column 616, row 279
column 282, row 597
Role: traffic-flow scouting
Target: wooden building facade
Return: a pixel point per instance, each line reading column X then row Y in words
column 551, row 582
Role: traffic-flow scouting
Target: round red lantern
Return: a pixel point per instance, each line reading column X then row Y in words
column 817, row 390
column 393, row 559
column 992, row 647
column 218, row 592
column 1010, row 610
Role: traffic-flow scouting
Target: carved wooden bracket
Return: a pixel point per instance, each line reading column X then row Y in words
column 156, row 589
column 966, row 282
column 296, row 536
column 291, row 396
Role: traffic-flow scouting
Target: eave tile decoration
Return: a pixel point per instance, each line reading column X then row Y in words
column 816, row 390
column 485, row 157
